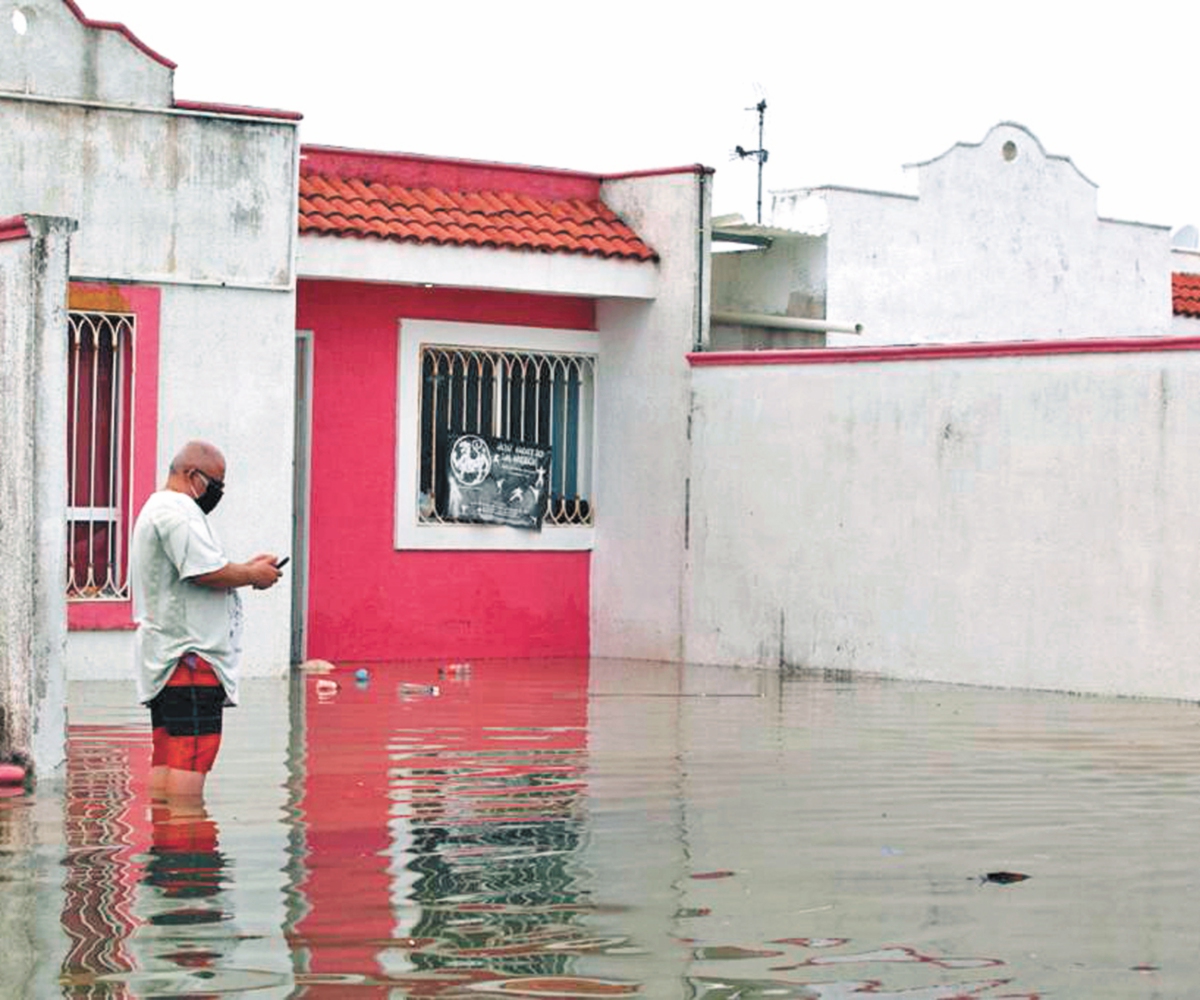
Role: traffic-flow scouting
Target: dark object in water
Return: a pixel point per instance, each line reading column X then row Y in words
column 1003, row 878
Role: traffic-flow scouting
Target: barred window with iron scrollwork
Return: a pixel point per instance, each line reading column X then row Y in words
column 535, row 397
column 99, row 384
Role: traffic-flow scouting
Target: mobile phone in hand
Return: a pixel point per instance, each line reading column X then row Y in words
column 282, row 562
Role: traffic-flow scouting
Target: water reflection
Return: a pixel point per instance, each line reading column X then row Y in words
column 466, row 826
column 184, row 869
column 102, row 839
column 574, row 829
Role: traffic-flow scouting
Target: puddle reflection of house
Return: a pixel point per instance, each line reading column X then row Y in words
column 452, row 821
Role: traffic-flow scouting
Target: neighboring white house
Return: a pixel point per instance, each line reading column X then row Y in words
column 1001, row 242
column 181, row 301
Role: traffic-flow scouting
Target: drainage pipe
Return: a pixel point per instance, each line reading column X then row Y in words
column 784, row 322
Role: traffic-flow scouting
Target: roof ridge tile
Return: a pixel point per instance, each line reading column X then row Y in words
column 352, row 206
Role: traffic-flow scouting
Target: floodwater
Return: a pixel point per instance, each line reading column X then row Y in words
column 575, row 829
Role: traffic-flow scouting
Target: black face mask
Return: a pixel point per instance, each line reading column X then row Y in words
column 213, row 491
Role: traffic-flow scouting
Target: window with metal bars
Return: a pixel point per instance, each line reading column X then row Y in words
column 535, row 397
column 100, row 368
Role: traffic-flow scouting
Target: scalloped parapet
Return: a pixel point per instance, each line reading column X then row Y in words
column 1010, row 165
column 50, row 48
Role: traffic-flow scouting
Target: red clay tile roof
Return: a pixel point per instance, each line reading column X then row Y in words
column 347, row 206
column 1185, row 294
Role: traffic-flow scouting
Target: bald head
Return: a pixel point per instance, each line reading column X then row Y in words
column 197, row 464
column 198, row 455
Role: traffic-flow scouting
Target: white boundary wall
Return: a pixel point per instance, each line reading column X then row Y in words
column 1024, row 521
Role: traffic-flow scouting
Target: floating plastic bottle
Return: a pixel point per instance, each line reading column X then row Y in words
column 420, row 690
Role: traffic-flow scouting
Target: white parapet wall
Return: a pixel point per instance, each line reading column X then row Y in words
column 1019, row 519
column 33, row 424
column 1002, row 241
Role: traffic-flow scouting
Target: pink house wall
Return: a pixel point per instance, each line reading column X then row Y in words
column 145, row 302
column 367, row 601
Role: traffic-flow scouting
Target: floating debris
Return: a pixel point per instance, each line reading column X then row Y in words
column 316, row 667
column 723, row 873
column 419, row 690
column 1003, row 878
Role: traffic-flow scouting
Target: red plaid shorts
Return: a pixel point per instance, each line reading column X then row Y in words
column 185, row 717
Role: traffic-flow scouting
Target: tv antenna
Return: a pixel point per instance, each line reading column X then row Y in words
column 759, row 154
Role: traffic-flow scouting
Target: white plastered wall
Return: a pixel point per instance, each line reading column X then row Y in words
column 1019, row 522
column 33, row 478
column 226, row 374
column 642, row 422
column 160, row 196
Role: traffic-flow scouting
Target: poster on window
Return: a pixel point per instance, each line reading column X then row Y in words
column 497, row 481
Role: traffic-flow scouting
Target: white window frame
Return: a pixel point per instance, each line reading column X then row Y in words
column 410, row 531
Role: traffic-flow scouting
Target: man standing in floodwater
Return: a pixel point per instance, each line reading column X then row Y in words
column 189, row 620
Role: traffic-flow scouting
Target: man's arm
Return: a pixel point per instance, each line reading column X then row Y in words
column 259, row 573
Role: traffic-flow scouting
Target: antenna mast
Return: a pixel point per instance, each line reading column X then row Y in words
column 759, row 154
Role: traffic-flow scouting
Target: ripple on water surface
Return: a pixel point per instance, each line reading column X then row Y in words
column 574, row 829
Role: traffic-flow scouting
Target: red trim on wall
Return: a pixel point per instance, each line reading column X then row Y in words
column 145, row 302
column 13, row 228
column 368, row 601
column 100, row 616
column 116, row 26
column 934, row 352
column 238, row 109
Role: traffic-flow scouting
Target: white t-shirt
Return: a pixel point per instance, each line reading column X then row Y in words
column 173, row 542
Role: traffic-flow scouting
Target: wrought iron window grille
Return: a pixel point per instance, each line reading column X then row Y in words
column 535, row 397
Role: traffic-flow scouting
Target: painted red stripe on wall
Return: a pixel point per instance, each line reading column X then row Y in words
column 936, row 352
column 13, row 228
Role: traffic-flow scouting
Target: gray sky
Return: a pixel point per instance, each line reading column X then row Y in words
column 855, row 89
